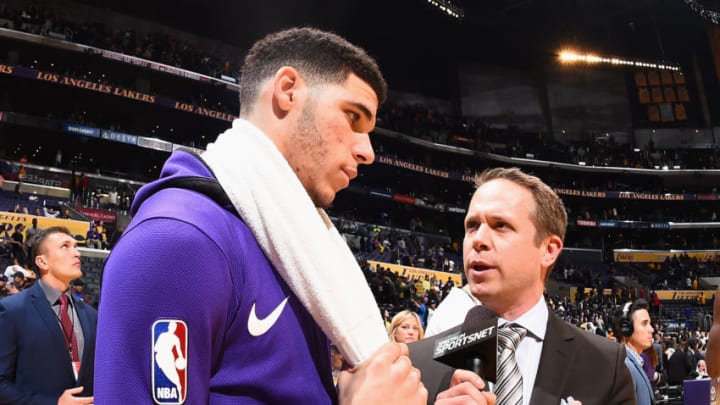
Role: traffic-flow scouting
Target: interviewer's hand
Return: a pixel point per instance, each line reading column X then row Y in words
column 712, row 356
column 465, row 389
column 387, row 377
column 68, row 397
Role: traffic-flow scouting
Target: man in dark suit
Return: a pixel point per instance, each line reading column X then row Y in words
column 47, row 338
column 514, row 231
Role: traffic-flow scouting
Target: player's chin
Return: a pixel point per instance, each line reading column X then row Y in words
column 324, row 199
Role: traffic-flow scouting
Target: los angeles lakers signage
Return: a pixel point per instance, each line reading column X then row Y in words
column 76, row 227
column 417, row 272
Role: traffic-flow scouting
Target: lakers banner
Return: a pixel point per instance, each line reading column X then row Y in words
column 658, row 256
column 76, row 227
column 417, row 272
column 108, row 217
column 685, row 294
column 413, row 166
column 56, row 78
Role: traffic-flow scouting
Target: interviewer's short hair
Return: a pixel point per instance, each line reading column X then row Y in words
column 549, row 215
column 319, row 56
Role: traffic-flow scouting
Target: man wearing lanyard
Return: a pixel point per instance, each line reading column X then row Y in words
column 47, row 338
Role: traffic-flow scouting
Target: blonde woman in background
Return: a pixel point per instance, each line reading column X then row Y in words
column 406, row 327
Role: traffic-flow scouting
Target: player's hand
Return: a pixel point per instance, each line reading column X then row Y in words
column 387, row 377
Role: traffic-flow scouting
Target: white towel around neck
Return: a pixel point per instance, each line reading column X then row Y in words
column 298, row 238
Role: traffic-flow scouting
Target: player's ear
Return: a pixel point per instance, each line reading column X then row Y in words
column 287, row 83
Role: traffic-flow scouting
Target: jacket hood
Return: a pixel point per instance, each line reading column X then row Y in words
column 181, row 163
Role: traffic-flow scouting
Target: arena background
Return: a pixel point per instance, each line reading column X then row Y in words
column 103, row 92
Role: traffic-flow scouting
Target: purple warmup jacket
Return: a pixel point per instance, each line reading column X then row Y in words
column 187, row 280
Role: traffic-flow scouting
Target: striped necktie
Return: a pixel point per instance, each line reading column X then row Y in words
column 509, row 387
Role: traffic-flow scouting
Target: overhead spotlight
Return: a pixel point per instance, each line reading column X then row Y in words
column 569, row 56
column 449, row 8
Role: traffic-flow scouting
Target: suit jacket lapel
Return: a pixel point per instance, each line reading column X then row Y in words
column 42, row 306
column 87, row 329
column 641, row 372
column 50, row 319
column 558, row 352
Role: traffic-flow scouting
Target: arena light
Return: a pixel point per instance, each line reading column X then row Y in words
column 568, row 57
column 696, row 6
column 449, row 8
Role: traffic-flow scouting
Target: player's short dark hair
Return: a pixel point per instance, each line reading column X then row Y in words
column 320, row 56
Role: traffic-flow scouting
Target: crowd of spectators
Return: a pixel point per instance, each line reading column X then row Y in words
column 407, row 247
column 677, row 332
column 656, row 211
column 679, row 272
column 154, row 46
column 642, row 238
column 413, row 120
column 425, row 123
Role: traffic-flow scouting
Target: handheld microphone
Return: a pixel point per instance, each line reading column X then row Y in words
column 471, row 345
column 474, row 346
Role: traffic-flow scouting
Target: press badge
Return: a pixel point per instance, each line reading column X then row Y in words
column 76, row 369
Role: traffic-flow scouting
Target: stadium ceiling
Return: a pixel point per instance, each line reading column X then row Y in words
column 412, row 37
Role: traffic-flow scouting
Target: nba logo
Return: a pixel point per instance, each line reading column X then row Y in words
column 169, row 361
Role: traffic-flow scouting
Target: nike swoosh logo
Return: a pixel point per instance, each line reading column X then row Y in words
column 257, row 326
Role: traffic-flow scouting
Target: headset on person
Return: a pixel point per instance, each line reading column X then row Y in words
column 625, row 323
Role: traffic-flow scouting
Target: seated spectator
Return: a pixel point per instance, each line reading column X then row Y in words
column 78, row 287
column 93, row 239
column 700, row 371
column 12, row 288
column 19, row 280
column 50, row 212
column 18, row 268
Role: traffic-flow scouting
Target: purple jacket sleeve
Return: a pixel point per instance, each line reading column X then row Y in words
column 160, row 269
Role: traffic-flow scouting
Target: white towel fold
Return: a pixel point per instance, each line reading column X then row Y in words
column 298, row 238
